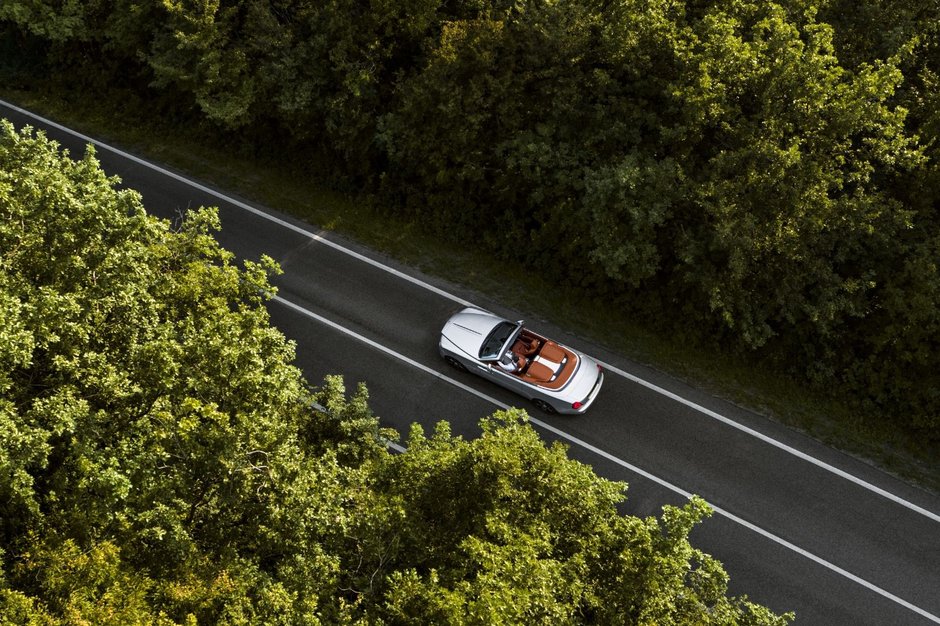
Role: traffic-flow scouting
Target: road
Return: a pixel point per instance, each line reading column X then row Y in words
column 798, row 526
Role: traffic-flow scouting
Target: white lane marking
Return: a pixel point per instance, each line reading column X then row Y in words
column 766, row 439
column 396, row 447
column 606, row 455
column 242, row 205
column 777, row 444
column 388, row 351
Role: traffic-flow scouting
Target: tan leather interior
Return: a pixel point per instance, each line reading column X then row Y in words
column 553, row 352
column 538, row 373
column 526, row 346
column 542, row 362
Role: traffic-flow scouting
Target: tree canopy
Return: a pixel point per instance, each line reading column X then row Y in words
column 162, row 461
column 759, row 176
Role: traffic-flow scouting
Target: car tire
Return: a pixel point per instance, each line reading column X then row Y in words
column 455, row 363
column 544, row 406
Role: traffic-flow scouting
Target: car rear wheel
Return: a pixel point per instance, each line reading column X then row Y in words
column 455, row 363
column 544, row 406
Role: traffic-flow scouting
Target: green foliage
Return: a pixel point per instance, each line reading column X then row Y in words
column 54, row 21
column 199, row 52
column 149, row 408
column 503, row 529
column 795, row 226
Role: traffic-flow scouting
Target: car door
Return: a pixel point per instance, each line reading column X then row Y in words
column 493, row 372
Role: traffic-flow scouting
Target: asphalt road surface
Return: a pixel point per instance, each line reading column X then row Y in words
column 797, row 525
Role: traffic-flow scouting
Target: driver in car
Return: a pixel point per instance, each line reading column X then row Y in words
column 510, row 362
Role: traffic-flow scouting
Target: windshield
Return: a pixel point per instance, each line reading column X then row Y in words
column 497, row 339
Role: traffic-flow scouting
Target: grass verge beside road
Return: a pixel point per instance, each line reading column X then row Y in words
column 295, row 190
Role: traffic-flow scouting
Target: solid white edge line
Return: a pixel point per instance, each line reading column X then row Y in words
column 777, row 444
column 242, row 205
column 388, row 351
column 606, row 455
column 396, row 447
column 766, row 439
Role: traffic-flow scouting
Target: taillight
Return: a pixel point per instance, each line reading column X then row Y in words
column 576, row 405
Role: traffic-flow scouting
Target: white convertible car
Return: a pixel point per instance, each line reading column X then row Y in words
column 557, row 379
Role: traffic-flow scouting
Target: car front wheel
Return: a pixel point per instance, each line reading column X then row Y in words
column 455, row 363
column 544, row 406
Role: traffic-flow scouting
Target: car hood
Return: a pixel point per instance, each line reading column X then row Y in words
column 468, row 328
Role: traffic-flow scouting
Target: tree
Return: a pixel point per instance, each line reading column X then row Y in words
column 151, row 414
column 506, row 529
column 806, row 201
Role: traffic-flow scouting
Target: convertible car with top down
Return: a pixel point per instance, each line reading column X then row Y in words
column 556, row 378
